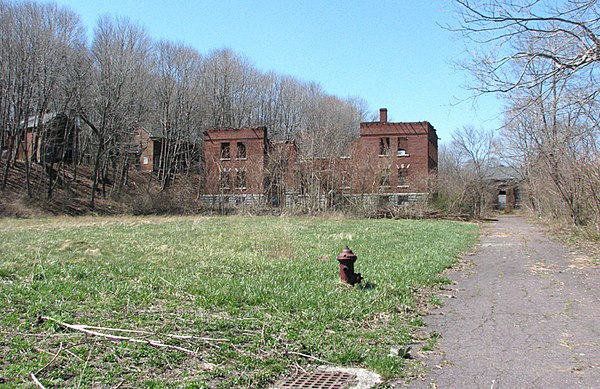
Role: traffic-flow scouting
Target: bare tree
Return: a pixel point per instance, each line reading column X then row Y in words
column 228, row 81
column 543, row 57
column 177, row 116
column 512, row 36
column 113, row 97
column 38, row 45
column 465, row 167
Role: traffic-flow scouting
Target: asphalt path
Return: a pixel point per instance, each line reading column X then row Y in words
column 526, row 314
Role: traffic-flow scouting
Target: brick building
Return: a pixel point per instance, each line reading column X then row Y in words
column 390, row 161
column 393, row 157
column 235, row 162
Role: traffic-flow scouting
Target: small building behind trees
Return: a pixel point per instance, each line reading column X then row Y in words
column 47, row 138
column 504, row 183
column 148, row 146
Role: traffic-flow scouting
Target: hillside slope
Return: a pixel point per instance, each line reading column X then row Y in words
column 72, row 191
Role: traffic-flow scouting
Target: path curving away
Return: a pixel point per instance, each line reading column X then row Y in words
column 527, row 315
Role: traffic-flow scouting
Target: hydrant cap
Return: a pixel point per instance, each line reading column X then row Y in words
column 346, row 254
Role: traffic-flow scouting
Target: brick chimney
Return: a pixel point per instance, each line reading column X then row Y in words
column 383, row 115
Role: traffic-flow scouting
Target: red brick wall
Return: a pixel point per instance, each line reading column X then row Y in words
column 419, row 141
column 141, row 139
column 253, row 165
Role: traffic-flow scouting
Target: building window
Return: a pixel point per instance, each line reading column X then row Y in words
column 384, row 180
column 346, row 180
column 402, row 147
column 402, row 177
column 240, row 179
column 241, row 150
column 225, row 151
column 384, row 146
column 224, row 181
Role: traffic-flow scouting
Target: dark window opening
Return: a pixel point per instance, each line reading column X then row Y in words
column 384, row 180
column 240, row 179
column 402, row 146
column 384, row 146
column 346, row 180
column 225, row 151
column 402, row 177
column 241, row 150
column 224, row 181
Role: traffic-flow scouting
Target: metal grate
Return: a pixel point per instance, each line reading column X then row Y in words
column 318, row 380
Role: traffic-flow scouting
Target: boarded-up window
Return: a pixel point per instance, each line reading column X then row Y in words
column 346, row 180
column 384, row 180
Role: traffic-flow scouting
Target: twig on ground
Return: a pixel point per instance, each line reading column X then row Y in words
column 36, row 382
column 52, row 360
column 309, row 357
column 73, row 355
column 120, row 384
column 152, row 343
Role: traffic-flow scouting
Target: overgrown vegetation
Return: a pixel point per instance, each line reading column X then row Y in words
column 542, row 59
column 248, row 298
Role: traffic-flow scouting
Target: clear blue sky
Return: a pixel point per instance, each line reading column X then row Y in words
column 392, row 53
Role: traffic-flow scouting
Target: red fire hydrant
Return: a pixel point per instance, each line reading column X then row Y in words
column 347, row 259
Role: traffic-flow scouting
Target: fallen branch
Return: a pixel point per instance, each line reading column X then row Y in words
column 152, row 343
column 36, row 382
column 309, row 356
column 151, row 333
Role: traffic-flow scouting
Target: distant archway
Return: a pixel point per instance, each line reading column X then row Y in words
column 502, row 199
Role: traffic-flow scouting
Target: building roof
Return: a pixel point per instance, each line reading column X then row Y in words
column 155, row 133
column 33, row 121
column 503, row 173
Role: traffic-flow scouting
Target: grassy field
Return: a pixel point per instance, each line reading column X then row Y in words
column 232, row 301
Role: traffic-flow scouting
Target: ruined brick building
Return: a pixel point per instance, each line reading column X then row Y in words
column 389, row 163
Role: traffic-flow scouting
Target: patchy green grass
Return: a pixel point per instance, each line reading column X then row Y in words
column 249, row 298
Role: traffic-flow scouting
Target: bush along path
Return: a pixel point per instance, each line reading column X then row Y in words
column 526, row 315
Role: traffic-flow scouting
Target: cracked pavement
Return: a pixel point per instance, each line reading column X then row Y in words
column 525, row 315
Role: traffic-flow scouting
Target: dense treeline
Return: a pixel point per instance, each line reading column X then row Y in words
column 123, row 80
